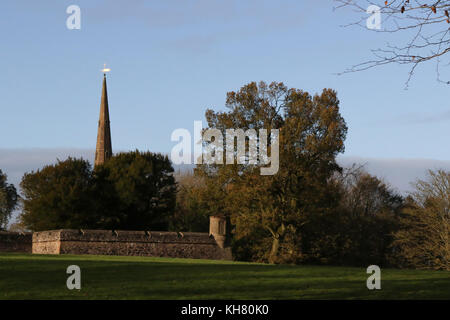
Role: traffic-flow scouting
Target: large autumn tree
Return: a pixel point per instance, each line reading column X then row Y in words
column 270, row 211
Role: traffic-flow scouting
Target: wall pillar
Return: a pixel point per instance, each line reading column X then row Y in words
column 218, row 228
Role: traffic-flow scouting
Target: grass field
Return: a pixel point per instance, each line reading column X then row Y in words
column 110, row 277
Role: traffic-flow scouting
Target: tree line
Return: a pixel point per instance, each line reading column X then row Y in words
column 311, row 211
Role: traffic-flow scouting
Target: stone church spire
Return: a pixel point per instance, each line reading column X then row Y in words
column 104, row 149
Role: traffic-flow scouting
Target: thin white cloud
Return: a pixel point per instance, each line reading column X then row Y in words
column 416, row 118
column 198, row 25
column 397, row 172
column 15, row 162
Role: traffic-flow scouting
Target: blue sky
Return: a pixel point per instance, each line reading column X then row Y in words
column 171, row 60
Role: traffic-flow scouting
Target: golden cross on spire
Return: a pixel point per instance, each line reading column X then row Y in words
column 105, row 69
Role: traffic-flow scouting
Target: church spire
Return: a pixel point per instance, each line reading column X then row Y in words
column 104, row 149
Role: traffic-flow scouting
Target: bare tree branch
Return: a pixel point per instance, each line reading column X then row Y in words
column 425, row 25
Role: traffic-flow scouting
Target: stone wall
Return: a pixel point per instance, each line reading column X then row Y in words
column 130, row 243
column 15, row 242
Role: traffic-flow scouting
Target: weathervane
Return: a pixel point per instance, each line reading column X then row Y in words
column 105, row 70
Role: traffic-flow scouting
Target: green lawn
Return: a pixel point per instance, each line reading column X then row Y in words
column 110, row 277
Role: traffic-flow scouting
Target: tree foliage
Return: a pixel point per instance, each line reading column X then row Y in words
column 358, row 231
column 191, row 213
column 312, row 210
column 8, row 200
column 143, row 189
column 312, row 133
column 58, row 196
column 424, row 239
column 130, row 191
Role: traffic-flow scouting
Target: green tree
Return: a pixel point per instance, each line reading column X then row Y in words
column 142, row 189
column 132, row 191
column 58, row 196
column 8, row 200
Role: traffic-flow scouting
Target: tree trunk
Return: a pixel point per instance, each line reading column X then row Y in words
column 274, row 251
column 276, row 236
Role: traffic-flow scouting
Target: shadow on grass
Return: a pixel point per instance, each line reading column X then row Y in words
column 37, row 277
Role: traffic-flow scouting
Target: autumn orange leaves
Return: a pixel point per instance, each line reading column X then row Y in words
column 433, row 8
